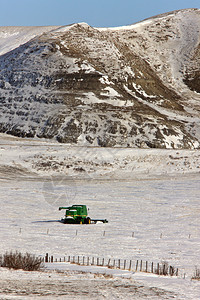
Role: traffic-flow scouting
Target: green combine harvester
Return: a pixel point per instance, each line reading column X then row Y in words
column 78, row 214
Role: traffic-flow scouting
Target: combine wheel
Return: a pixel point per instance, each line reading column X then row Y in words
column 88, row 220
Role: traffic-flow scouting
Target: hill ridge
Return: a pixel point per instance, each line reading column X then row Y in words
column 133, row 87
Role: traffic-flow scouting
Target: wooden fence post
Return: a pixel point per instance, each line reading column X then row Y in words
column 158, row 269
column 164, row 269
column 136, row 267
column 46, row 257
column 152, row 267
column 51, row 258
column 103, row 262
column 109, row 262
column 119, row 263
column 141, row 266
column 130, row 265
column 146, row 266
column 124, row 264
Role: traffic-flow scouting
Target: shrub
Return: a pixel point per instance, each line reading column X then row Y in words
column 17, row 260
column 196, row 275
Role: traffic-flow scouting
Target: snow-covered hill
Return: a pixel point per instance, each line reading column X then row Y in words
column 133, row 86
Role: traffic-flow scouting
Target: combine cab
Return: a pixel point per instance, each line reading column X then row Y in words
column 78, row 214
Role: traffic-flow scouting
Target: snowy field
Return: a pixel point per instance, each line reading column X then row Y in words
column 155, row 218
column 163, row 214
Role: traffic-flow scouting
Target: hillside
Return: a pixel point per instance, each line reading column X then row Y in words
column 133, row 86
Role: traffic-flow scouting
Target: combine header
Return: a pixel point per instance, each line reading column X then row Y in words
column 78, row 214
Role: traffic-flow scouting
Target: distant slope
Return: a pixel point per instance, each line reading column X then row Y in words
column 133, row 86
column 12, row 37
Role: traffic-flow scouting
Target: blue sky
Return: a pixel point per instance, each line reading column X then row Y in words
column 100, row 13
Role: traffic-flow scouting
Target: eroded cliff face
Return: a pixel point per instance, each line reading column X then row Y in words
column 134, row 86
